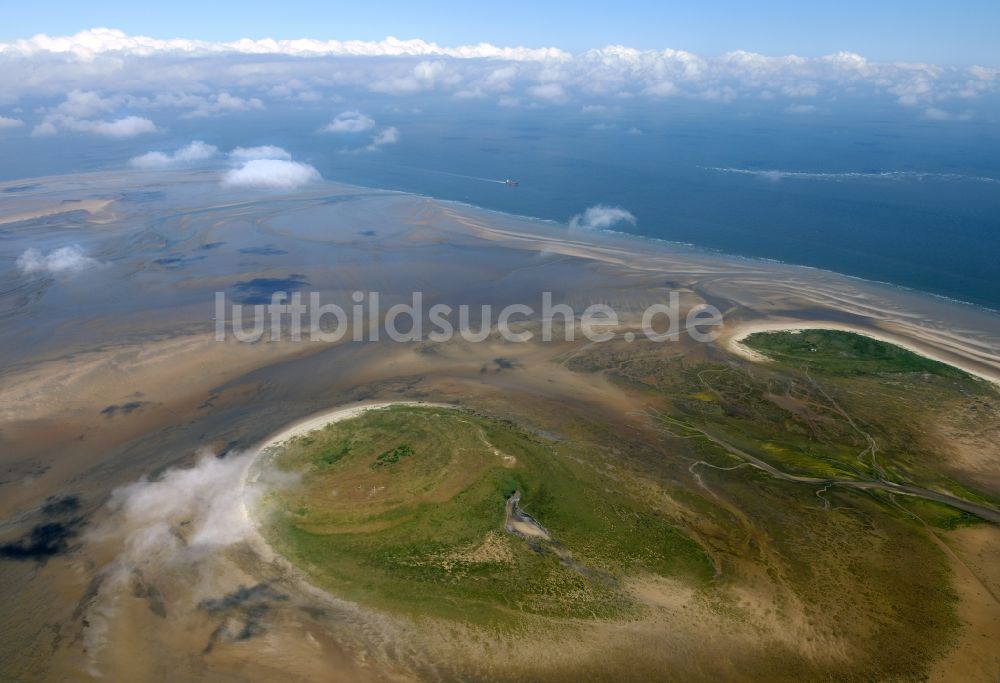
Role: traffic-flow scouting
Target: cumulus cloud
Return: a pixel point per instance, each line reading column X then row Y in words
column 386, row 136
column 7, row 122
column 278, row 174
column 349, row 122
column 261, row 152
column 601, row 217
column 79, row 110
column 193, row 152
column 65, row 260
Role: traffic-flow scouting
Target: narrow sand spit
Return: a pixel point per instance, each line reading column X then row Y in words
column 733, row 341
column 91, row 206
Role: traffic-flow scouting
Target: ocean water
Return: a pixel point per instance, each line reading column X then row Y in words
column 880, row 194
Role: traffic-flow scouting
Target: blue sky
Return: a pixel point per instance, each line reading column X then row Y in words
column 958, row 33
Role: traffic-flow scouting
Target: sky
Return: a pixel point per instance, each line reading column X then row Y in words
column 944, row 33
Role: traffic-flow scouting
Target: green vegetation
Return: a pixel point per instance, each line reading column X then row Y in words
column 830, row 405
column 845, row 353
column 391, row 456
column 406, row 509
column 408, row 514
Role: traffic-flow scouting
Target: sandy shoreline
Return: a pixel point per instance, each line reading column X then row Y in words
column 733, row 342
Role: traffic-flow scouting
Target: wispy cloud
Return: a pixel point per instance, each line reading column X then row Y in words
column 386, row 136
column 261, row 152
column 601, row 217
column 125, row 127
column 224, row 103
column 65, row 260
column 191, row 153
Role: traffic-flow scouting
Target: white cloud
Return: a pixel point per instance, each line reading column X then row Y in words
column 600, row 217
column 86, row 45
column 800, row 109
column 106, row 70
column 386, row 136
column 271, row 173
column 44, row 129
column 193, row 152
column 80, row 104
column 261, row 152
column 224, row 103
column 935, row 114
column 424, row 76
column 551, row 92
column 125, row 127
column 349, row 122
column 208, row 495
column 139, row 527
column 805, row 89
column 661, row 89
column 7, row 122
column 65, row 260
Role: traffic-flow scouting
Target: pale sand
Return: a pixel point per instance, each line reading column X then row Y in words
column 733, row 341
column 91, row 206
column 973, row 552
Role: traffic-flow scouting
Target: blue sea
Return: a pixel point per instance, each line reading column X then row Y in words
column 881, row 194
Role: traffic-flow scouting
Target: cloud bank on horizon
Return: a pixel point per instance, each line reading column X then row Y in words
column 105, row 82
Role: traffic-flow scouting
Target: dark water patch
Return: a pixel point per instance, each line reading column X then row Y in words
column 499, row 365
column 265, row 250
column 140, row 196
column 59, row 506
column 176, row 262
column 243, row 612
column 148, row 592
column 259, row 289
column 44, row 541
column 367, row 233
column 123, row 408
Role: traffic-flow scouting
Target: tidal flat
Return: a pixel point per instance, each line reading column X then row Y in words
column 673, row 551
